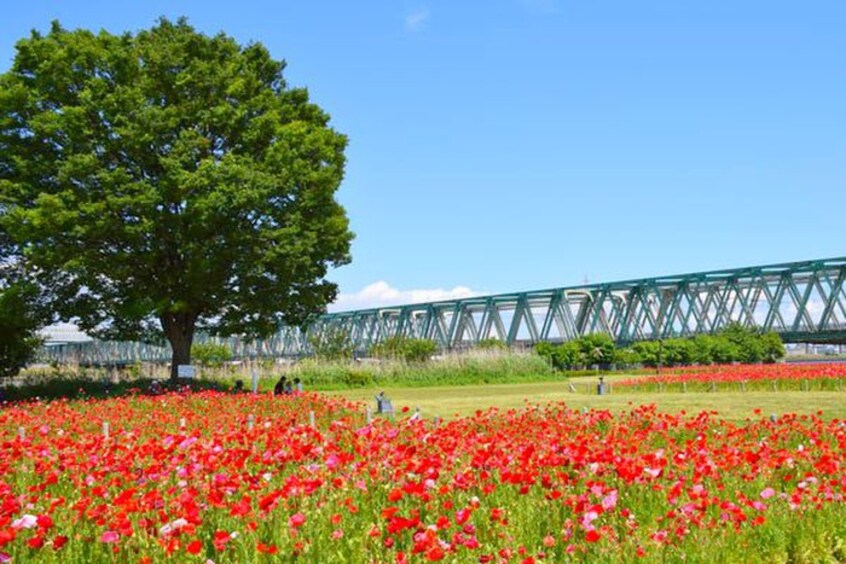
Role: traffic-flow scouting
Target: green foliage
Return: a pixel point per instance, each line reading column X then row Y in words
column 571, row 354
column 748, row 342
column 389, row 348
column 491, row 344
column 332, row 344
column 734, row 344
column 90, row 384
column 563, row 356
column 594, row 349
column 647, row 352
column 597, row 348
column 19, row 323
column 723, row 351
column 773, row 346
column 210, row 355
column 677, row 352
column 169, row 180
column 546, row 350
column 419, row 350
column 401, row 348
column 473, row 367
column 316, row 372
column 625, row 356
column 706, row 348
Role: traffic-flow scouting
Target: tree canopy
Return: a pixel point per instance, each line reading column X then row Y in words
column 167, row 181
column 21, row 316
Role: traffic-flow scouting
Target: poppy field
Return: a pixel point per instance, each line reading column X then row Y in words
column 211, row 477
column 769, row 377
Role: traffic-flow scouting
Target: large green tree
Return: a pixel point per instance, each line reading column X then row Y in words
column 21, row 316
column 24, row 308
column 169, row 181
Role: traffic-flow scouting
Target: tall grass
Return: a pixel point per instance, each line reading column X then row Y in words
column 476, row 367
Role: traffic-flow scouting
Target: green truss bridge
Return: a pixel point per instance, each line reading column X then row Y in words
column 802, row 301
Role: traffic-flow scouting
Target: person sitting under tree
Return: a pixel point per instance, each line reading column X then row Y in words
column 280, row 386
column 156, row 388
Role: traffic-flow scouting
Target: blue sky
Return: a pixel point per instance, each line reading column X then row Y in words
column 524, row 144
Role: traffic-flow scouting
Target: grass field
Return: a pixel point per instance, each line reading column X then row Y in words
column 448, row 401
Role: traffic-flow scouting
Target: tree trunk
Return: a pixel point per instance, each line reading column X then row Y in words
column 179, row 330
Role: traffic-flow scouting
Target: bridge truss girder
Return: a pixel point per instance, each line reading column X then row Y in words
column 802, row 301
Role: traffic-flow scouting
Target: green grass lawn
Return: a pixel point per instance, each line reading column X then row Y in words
column 449, row 401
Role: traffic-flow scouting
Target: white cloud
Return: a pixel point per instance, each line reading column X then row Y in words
column 415, row 20
column 383, row 294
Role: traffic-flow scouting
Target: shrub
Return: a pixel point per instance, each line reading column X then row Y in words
column 332, row 344
column 401, row 348
column 210, row 355
column 571, row 354
column 546, row 350
column 389, row 348
column 626, row 357
column 597, row 348
column 419, row 350
column 734, row 344
column 589, row 350
column 647, row 352
column 491, row 344
column 560, row 357
column 677, row 351
column 704, row 349
column 773, row 346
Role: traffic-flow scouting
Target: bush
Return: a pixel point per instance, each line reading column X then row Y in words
column 546, row 350
column 626, row 357
column 419, row 350
column 332, row 344
column 401, row 348
column 389, row 348
column 677, row 351
column 560, row 357
column 491, row 344
column 585, row 351
column 734, row 344
column 773, row 346
column 597, row 348
column 704, row 349
column 647, row 353
column 210, row 355
column 724, row 351
column 753, row 346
